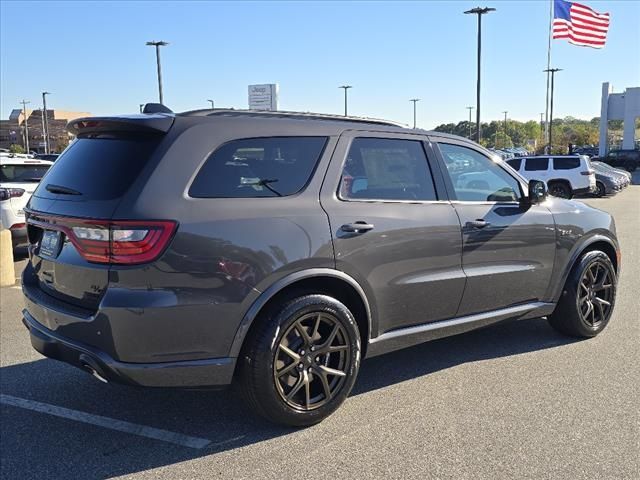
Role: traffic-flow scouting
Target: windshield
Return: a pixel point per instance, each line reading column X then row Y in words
column 22, row 173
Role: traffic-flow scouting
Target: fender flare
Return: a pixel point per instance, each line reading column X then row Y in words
column 284, row 282
column 577, row 251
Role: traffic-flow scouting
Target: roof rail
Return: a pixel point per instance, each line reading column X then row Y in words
column 287, row 114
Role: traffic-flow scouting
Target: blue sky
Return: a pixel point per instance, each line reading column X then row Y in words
column 92, row 56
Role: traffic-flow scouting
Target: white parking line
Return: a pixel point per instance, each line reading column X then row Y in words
column 106, row 422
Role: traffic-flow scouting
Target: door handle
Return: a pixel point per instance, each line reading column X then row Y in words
column 479, row 223
column 357, row 227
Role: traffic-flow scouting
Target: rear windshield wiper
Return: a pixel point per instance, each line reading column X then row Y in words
column 63, row 190
column 262, row 182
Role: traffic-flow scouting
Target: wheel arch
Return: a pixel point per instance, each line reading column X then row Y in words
column 595, row 242
column 560, row 180
column 318, row 280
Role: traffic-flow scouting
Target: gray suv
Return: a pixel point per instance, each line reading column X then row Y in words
column 277, row 250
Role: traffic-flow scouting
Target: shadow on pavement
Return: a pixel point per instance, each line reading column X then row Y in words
column 37, row 445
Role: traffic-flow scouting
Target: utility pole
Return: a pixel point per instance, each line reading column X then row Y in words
column 158, row 45
column 505, row 127
column 43, row 131
column 414, row 100
column 47, row 145
column 346, row 87
column 479, row 11
column 26, row 124
column 470, row 109
column 542, row 127
column 553, row 74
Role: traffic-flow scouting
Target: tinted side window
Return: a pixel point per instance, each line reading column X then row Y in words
column 515, row 163
column 476, row 177
column 99, row 168
column 566, row 163
column 536, row 164
column 386, row 169
column 258, row 167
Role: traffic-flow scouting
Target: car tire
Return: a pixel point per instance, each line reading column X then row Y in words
column 289, row 365
column 560, row 190
column 588, row 297
column 601, row 190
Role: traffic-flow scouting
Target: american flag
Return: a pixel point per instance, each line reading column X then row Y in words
column 579, row 24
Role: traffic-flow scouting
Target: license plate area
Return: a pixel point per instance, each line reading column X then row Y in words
column 50, row 244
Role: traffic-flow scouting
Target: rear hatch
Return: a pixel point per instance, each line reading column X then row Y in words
column 72, row 236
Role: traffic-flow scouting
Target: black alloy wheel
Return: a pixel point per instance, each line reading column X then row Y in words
column 595, row 294
column 559, row 190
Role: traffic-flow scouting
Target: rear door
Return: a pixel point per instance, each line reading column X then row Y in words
column 393, row 228
column 508, row 248
column 78, row 194
column 537, row 168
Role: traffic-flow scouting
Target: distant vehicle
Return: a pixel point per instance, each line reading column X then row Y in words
column 52, row 157
column 608, row 182
column 627, row 159
column 565, row 175
column 619, row 171
column 19, row 177
column 588, row 151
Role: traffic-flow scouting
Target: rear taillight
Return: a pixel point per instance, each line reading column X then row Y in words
column 16, row 226
column 123, row 242
column 588, row 172
column 7, row 193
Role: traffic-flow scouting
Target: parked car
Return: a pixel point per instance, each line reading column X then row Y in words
column 278, row 249
column 611, row 169
column 565, row 175
column 627, row 159
column 608, row 183
column 18, row 179
column 588, row 151
column 52, row 157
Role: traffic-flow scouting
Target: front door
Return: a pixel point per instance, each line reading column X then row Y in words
column 508, row 247
column 393, row 229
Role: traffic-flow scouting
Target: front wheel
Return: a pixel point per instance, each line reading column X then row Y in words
column 301, row 361
column 560, row 190
column 587, row 300
column 601, row 190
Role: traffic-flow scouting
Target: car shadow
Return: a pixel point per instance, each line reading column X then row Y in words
column 215, row 415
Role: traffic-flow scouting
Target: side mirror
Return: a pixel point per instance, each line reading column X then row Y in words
column 537, row 192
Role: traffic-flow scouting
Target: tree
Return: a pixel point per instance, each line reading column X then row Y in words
column 15, row 148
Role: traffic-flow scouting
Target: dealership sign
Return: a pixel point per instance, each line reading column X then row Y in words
column 263, row 97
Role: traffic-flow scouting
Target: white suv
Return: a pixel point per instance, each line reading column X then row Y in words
column 565, row 175
column 19, row 177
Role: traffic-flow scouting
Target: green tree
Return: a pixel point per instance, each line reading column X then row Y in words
column 15, row 148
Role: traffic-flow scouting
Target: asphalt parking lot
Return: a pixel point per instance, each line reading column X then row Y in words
column 515, row 400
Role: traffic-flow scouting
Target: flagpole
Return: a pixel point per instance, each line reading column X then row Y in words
column 546, row 121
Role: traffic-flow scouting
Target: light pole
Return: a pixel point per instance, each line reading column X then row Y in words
column 505, row 127
column 553, row 74
column 542, row 127
column 47, row 147
column 414, row 100
column 26, row 124
column 213, row 105
column 346, row 87
column 470, row 109
column 479, row 11
column 158, row 45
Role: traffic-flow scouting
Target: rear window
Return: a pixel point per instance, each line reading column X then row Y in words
column 22, row 173
column 566, row 163
column 515, row 163
column 258, row 167
column 99, row 168
column 536, row 164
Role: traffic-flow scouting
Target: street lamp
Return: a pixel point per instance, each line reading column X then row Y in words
column 26, row 124
column 470, row 109
column 505, row 127
column 158, row 45
column 346, row 87
column 213, row 105
column 47, row 147
column 553, row 73
column 414, row 100
column 479, row 11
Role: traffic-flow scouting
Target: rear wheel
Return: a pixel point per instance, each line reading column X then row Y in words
column 301, row 361
column 601, row 190
column 588, row 297
column 560, row 189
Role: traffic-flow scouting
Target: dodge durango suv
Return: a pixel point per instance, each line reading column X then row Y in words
column 276, row 250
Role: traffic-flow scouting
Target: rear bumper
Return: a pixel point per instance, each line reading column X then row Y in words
column 19, row 236
column 215, row 372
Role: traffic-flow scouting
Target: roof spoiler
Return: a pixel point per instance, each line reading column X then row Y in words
column 158, row 123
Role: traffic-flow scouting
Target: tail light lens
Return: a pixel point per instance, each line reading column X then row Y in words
column 120, row 242
column 7, row 193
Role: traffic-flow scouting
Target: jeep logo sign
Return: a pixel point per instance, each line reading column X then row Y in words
column 263, row 97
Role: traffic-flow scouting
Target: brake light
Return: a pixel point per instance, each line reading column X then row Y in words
column 588, row 172
column 121, row 242
column 7, row 193
column 15, row 226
